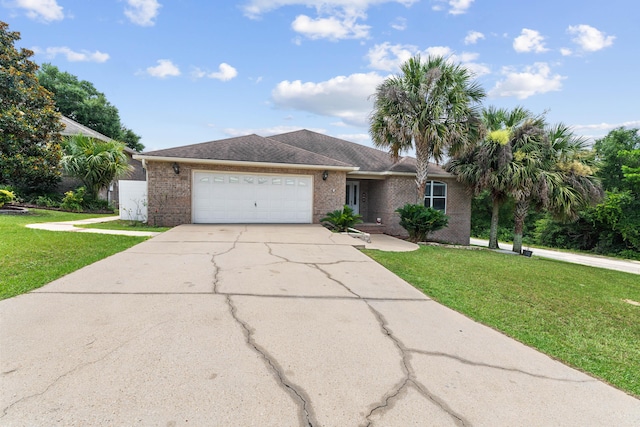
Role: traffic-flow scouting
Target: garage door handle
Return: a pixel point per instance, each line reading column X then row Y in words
column 255, row 204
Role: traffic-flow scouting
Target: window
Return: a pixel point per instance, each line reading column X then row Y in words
column 435, row 195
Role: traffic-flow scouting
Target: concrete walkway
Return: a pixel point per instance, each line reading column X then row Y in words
column 627, row 266
column 271, row 326
column 71, row 226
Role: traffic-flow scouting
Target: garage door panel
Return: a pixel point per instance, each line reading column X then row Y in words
column 220, row 197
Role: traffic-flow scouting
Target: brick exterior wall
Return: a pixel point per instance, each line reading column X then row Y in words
column 169, row 198
column 384, row 197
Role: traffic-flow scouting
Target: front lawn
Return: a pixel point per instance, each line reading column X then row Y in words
column 31, row 258
column 574, row 313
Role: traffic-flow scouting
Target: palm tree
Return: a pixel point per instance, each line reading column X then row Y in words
column 564, row 182
column 504, row 161
column 95, row 163
column 431, row 107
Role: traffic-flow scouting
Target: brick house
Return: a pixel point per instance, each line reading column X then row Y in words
column 295, row 177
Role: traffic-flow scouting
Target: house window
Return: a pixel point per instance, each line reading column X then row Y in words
column 435, row 195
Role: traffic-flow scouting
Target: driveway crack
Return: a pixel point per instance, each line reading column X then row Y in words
column 216, row 269
column 410, row 379
column 306, row 413
column 497, row 367
column 76, row 368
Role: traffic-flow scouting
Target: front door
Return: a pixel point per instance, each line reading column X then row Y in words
column 353, row 195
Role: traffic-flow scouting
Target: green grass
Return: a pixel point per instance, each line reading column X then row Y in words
column 574, row 313
column 31, row 258
column 120, row 224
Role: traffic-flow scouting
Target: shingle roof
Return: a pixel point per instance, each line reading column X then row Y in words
column 301, row 147
column 250, row 148
column 366, row 158
column 73, row 128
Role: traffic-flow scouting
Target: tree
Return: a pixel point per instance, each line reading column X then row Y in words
column 431, row 107
column 29, row 124
column 562, row 179
column 503, row 162
column 608, row 151
column 95, row 163
column 81, row 101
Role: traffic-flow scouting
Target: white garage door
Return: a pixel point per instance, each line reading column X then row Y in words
column 223, row 197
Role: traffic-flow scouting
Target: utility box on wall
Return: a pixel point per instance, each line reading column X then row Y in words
column 133, row 200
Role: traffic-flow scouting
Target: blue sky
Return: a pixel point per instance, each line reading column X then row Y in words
column 188, row 71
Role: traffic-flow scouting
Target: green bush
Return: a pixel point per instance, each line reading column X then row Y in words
column 74, row 201
column 341, row 219
column 420, row 221
column 6, row 196
column 48, row 200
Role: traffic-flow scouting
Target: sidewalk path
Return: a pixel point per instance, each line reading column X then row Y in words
column 71, row 226
column 590, row 260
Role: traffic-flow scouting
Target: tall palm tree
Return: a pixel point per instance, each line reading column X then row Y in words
column 563, row 180
column 430, row 106
column 95, row 163
column 504, row 161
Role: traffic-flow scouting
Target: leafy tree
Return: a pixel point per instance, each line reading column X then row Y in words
column 95, row 163
column 431, row 107
column 420, row 221
column 608, row 151
column 29, row 124
column 81, row 101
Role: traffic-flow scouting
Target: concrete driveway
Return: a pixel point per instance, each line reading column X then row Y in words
column 271, row 326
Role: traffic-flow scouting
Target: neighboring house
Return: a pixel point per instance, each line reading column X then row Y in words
column 111, row 194
column 295, row 177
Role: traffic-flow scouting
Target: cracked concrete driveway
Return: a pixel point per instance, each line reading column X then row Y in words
column 271, row 326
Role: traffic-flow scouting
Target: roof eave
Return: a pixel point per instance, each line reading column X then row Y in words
column 384, row 174
column 243, row 163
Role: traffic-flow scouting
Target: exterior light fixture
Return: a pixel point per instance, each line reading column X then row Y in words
column 325, row 175
column 176, row 168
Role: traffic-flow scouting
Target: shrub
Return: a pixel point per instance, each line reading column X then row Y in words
column 6, row 196
column 341, row 219
column 48, row 200
column 420, row 221
column 73, row 201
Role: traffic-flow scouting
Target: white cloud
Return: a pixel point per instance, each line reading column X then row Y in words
column 332, row 28
column 42, row 10
column 607, row 126
column 459, row 6
column 255, row 8
column 399, row 24
column 590, row 39
column 165, row 68
column 73, row 56
column 142, row 12
column 388, row 57
column 456, row 7
column 344, row 97
column 529, row 41
column 335, row 20
column 473, row 37
column 566, row 52
column 225, row 73
column 533, row 80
